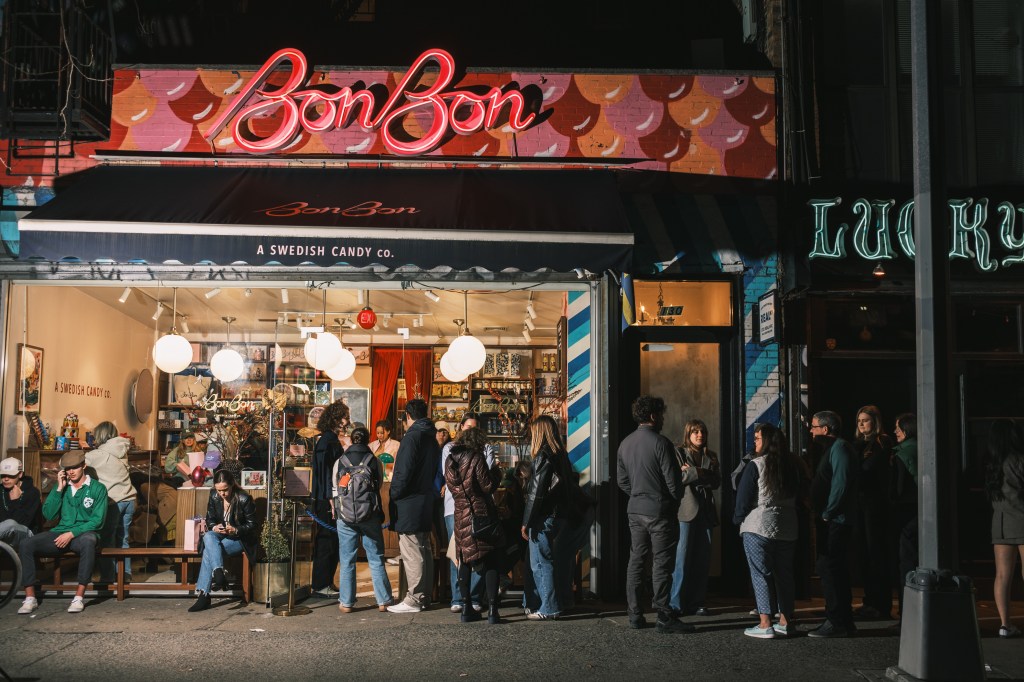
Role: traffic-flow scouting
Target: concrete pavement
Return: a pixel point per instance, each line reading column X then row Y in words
column 155, row 638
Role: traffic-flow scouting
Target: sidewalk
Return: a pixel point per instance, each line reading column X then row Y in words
column 154, row 638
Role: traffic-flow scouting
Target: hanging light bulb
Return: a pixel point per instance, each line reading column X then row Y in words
column 172, row 353
column 322, row 350
column 345, row 367
column 227, row 363
column 467, row 351
column 449, row 372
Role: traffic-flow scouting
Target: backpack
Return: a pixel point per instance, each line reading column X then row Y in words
column 358, row 496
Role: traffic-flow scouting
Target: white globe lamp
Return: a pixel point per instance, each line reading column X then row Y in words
column 449, row 372
column 344, row 368
column 226, row 364
column 172, row 353
column 322, row 350
column 468, row 354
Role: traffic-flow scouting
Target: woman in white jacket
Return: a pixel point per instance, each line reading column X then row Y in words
column 766, row 515
column 110, row 462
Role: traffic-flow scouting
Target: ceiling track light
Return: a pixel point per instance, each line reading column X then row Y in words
column 159, row 310
column 530, row 311
column 359, row 296
column 526, row 334
column 211, row 293
column 431, row 295
column 529, row 324
column 184, row 324
column 124, row 295
column 284, row 296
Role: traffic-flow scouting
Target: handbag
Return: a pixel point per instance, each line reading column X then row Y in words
column 487, row 528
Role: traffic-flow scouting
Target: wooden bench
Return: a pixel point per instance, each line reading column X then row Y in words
column 121, row 587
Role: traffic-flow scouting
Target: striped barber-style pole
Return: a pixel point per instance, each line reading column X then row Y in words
column 761, row 363
column 578, row 385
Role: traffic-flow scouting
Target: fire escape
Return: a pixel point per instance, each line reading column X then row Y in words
column 57, row 80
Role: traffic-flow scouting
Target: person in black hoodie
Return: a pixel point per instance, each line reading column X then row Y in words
column 326, row 453
column 413, row 491
column 834, row 500
column 19, row 503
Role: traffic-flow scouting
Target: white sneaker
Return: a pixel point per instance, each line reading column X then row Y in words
column 456, row 608
column 402, row 607
column 477, row 608
column 393, row 561
column 77, row 605
column 29, row 605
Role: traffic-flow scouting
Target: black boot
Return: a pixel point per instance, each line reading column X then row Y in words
column 220, row 581
column 201, row 604
column 469, row 614
column 492, row 614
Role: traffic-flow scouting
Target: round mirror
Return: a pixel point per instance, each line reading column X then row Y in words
column 142, row 395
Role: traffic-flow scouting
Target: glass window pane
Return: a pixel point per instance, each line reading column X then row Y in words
column 987, row 328
column 683, row 304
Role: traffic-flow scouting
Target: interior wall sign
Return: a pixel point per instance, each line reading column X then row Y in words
column 324, row 107
column 873, row 236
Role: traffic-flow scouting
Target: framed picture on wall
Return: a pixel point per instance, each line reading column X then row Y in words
column 29, row 379
column 358, row 401
column 253, row 479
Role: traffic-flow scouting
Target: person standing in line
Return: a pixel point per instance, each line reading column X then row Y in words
column 903, row 502
column 384, row 442
column 476, row 588
column 875, row 449
column 19, row 503
column 332, row 424
column 834, row 499
column 369, row 530
column 697, row 519
column 649, row 473
column 110, row 462
column 81, row 504
column 412, row 505
column 545, row 514
column 767, row 517
column 1004, row 483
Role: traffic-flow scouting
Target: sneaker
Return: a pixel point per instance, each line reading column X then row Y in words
column 31, row 604
column 456, row 608
column 77, row 605
column 673, row 626
column 754, row 612
column 1005, row 631
column 702, row 612
column 326, row 593
column 780, row 630
column 477, row 608
column 344, row 609
column 536, row 615
column 527, row 611
column 828, row 631
column 403, row 607
column 638, row 623
column 393, row 561
column 760, row 633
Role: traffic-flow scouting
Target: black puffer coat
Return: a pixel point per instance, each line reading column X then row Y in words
column 470, row 484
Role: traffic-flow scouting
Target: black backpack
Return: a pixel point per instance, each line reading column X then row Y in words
column 358, row 495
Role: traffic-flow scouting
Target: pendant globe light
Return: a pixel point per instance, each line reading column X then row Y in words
column 449, row 372
column 344, row 367
column 172, row 352
column 467, row 352
column 227, row 364
column 323, row 350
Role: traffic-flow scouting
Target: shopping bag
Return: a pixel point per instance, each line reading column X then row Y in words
column 194, row 528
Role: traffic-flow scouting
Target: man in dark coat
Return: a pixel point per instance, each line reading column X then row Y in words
column 649, row 473
column 413, row 492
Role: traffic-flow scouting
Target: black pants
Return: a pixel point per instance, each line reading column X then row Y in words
column 325, row 549
column 875, row 559
column 834, row 569
column 42, row 544
column 657, row 538
column 906, row 541
column 488, row 568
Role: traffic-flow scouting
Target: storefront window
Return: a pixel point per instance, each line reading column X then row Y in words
column 863, row 325
column 683, row 304
column 987, row 327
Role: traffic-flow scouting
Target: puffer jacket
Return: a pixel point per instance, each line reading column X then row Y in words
column 242, row 516
column 471, row 485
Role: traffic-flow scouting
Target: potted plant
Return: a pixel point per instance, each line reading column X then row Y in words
column 271, row 571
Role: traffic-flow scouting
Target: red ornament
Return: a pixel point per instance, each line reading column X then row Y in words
column 198, row 476
column 366, row 318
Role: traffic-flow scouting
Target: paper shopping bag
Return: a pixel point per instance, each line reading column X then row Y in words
column 193, row 530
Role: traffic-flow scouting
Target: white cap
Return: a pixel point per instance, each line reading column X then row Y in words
column 10, row 467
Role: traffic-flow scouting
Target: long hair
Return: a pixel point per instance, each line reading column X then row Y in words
column 333, row 416
column 544, row 431
column 103, row 432
column 782, row 469
column 1003, row 442
column 876, row 423
column 908, row 424
column 691, row 426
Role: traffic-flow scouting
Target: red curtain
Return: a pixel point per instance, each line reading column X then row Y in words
column 419, row 376
column 386, row 363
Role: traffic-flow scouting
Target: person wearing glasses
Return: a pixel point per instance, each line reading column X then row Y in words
column 81, row 503
column 834, row 500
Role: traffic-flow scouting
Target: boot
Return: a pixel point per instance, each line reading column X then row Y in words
column 201, row 604
column 492, row 615
column 469, row 614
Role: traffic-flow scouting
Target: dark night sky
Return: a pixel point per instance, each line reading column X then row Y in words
column 638, row 34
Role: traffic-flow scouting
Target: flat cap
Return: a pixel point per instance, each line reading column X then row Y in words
column 72, row 458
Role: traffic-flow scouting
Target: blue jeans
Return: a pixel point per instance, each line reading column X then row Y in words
column 693, row 563
column 348, row 550
column 543, row 561
column 115, row 534
column 476, row 588
column 215, row 547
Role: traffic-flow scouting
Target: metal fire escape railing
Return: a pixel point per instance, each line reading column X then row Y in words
column 57, row 81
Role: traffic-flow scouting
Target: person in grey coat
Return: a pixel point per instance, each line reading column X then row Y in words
column 649, row 474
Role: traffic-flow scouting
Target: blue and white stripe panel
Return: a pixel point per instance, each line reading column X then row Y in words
column 763, row 396
column 578, row 385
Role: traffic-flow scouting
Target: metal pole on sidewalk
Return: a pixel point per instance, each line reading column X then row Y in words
column 939, row 637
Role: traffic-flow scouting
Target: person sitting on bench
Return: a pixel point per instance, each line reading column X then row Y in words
column 81, row 503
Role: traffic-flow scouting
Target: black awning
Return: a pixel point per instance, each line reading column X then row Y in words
column 493, row 219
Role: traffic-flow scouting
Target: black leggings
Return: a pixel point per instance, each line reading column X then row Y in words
column 490, row 572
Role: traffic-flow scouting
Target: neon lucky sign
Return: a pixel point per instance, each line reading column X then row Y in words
column 872, row 234
column 318, row 109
